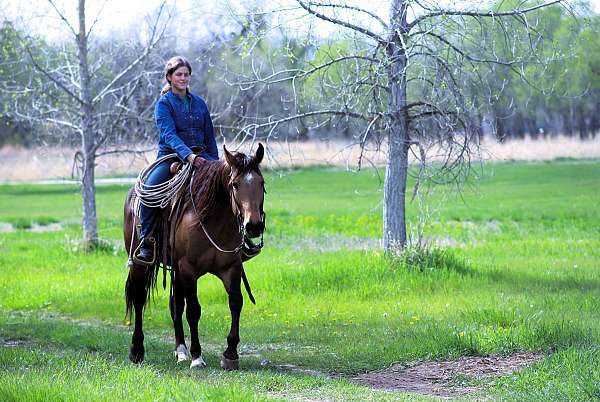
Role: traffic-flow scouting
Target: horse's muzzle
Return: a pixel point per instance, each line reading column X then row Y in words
column 255, row 229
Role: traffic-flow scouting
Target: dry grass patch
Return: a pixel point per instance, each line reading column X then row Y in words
column 22, row 165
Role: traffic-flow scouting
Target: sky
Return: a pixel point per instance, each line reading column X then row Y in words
column 128, row 16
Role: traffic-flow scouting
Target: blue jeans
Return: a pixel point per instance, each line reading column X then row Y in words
column 159, row 174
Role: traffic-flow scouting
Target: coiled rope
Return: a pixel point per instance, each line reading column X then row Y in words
column 160, row 195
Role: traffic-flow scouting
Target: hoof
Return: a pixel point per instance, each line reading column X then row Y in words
column 228, row 364
column 136, row 356
column 198, row 363
column 182, row 354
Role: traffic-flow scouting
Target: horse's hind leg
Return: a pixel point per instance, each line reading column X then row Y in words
column 135, row 294
column 231, row 280
column 177, row 304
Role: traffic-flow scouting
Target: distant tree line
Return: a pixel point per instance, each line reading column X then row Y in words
column 430, row 80
column 544, row 99
column 565, row 94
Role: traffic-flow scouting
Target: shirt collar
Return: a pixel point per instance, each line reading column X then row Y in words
column 188, row 95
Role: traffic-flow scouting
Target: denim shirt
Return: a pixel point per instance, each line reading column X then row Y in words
column 183, row 125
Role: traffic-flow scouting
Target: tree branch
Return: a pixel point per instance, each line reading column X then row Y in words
column 51, row 77
column 153, row 41
column 124, row 151
column 62, row 17
column 299, row 72
column 65, row 123
column 490, row 14
column 345, row 24
column 96, row 19
column 464, row 54
column 354, row 8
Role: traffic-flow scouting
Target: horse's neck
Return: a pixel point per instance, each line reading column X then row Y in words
column 222, row 212
column 223, row 195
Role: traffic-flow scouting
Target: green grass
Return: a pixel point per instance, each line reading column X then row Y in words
column 521, row 273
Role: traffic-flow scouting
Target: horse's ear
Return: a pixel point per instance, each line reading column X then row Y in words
column 260, row 153
column 229, row 157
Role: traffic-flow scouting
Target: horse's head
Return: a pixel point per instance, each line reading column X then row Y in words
column 247, row 189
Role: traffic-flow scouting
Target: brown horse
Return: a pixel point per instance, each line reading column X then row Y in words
column 225, row 199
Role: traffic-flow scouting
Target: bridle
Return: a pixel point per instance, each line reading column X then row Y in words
column 235, row 207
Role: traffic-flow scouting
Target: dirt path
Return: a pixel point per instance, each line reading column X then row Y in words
column 439, row 378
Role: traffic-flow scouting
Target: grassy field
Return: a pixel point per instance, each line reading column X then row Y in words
column 518, row 270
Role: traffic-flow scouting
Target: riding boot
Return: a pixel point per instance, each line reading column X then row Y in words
column 146, row 252
column 144, row 255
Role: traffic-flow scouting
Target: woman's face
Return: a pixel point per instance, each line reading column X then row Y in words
column 180, row 79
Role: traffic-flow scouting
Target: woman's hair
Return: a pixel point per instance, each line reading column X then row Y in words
column 173, row 64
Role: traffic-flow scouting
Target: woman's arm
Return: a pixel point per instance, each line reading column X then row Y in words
column 166, row 127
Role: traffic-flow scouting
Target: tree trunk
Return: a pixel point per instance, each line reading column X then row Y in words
column 90, row 230
column 394, row 211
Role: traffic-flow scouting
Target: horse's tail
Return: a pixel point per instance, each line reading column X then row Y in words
column 138, row 287
column 128, row 298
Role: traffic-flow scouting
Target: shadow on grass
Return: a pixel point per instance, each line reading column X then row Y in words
column 55, row 332
column 28, row 223
column 542, row 284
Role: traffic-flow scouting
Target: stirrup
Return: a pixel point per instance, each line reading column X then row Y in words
column 142, row 262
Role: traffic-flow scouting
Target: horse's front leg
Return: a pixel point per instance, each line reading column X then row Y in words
column 192, row 313
column 231, row 280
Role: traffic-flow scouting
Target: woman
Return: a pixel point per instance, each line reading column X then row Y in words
column 183, row 122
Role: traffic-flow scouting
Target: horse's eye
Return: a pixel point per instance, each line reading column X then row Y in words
column 235, row 185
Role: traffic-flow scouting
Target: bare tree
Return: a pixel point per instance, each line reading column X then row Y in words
column 93, row 93
column 413, row 83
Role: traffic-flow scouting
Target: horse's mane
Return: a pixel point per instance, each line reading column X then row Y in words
column 210, row 180
column 207, row 186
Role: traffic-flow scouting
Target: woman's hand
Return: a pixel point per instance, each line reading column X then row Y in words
column 196, row 160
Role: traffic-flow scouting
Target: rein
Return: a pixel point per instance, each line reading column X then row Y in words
column 241, row 228
column 248, row 248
